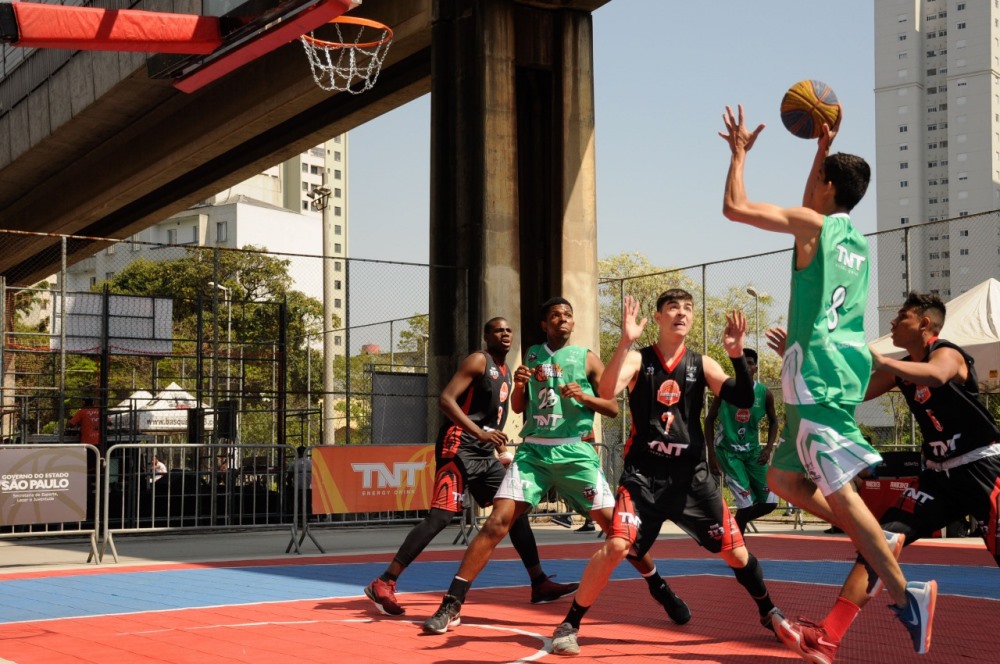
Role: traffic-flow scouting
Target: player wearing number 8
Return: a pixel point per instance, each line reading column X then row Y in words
column 824, row 375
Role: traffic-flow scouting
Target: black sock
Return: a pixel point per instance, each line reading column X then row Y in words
column 752, row 578
column 575, row 615
column 653, row 579
column 388, row 577
column 538, row 579
column 458, row 588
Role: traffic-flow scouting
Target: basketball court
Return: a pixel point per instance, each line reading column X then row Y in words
column 312, row 608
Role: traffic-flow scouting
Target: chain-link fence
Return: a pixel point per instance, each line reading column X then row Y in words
column 947, row 257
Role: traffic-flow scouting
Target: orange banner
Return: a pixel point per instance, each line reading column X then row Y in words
column 371, row 478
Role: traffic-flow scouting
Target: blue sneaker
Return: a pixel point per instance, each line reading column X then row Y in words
column 918, row 616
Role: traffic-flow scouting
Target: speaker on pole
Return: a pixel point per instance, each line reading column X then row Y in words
column 196, row 425
column 225, row 419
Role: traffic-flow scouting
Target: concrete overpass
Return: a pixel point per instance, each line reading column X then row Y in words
column 95, row 147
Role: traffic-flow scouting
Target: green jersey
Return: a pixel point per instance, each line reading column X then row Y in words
column 547, row 414
column 826, row 357
column 740, row 431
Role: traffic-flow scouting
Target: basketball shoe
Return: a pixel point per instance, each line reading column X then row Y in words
column 383, row 595
column 549, row 591
column 447, row 616
column 672, row 604
column 564, row 640
column 918, row 616
column 806, row 638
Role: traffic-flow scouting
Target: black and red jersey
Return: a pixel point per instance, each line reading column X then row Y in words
column 485, row 401
column 952, row 419
column 666, row 405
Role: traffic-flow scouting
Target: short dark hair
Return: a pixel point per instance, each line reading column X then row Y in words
column 850, row 176
column 750, row 354
column 490, row 322
column 673, row 295
column 927, row 304
column 553, row 302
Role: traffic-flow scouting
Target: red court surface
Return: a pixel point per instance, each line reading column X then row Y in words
column 500, row 626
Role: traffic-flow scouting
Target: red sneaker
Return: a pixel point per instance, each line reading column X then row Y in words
column 806, row 638
column 383, row 594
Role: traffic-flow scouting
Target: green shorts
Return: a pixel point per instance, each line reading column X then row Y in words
column 824, row 442
column 572, row 469
column 745, row 477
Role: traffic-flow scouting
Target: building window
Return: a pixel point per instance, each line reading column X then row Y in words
column 338, row 211
column 337, row 284
column 305, row 205
column 904, row 183
column 194, row 234
column 933, row 255
column 903, row 147
column 337, row 267
column 337, row 302
column 336, row 155
column 945, row 254
column 960, row 7
column 111, row 250
column 902, row 129
column 932, row 72
column 963, row 213
column 337, row 174
column 337, row 248
column 945, row 273
column 305, row 186
column 108, row 276
column 904, row 165
column 337, row 339
column 338, row 192
column 903, row 221
column 963, row 234
column 135, row 243
column 337, row 229
column 901, row 55
column 93, row 281
column 222, row 231
column 305, row 168
column 902, row 37
column 172, row 236
column 961, row 26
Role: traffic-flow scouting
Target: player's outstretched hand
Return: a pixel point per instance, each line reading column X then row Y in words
column 740, row 139
column 521, row 375
column 735, row 333
column 632, row 329
column 776, row 338
column 829, row 133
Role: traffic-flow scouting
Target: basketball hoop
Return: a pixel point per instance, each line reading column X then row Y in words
column 352, row 62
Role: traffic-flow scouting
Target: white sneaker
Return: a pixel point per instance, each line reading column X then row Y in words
column 896, row 541
column 564, row 640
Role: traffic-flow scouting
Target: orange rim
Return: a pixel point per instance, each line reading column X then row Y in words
column 354, row 20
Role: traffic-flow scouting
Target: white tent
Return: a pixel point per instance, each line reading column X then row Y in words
column 134, row 401
column 167, row 412
column 972, row 322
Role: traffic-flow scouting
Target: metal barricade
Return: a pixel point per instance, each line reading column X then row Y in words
column 205, row 487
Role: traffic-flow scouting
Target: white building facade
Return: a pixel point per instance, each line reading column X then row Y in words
column 273, row 210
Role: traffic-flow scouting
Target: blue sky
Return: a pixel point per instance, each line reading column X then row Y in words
column 664, row 71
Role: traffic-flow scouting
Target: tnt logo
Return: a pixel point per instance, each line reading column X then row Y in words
column 743, row 415
column 669, row 392
column 922, row 394
column 629, row 519
column 378, row 475
column 917, row 496
column 849, row 258
column 941, row 448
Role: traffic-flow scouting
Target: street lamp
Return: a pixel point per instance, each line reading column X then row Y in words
column 756, row 315
column 426, row 339
column 229, row 332
column 320, row 197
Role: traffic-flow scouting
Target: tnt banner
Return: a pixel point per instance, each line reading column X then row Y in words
column 43, row 485
column 372, row 478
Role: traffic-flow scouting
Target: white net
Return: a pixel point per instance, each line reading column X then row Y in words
column 350, row 61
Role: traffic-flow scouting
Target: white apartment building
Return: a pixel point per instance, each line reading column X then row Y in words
column 937, row 100
column 272, row 209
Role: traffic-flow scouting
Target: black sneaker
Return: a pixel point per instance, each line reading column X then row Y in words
column 447, row 616
column 549, row 591
column 564, row 520
column 674, row 605
column 587, row 527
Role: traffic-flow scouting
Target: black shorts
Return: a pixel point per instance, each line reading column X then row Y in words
column 481, row 475
column 689, row 496
column 938, row 498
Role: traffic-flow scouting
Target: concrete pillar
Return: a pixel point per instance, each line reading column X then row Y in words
column 512, row 171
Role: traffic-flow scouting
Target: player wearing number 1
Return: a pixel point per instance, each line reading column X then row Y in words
column 825, row 371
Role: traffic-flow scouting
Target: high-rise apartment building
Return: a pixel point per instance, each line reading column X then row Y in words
column 937, row 100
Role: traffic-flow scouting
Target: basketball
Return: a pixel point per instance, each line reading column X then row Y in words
column 807, row 106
